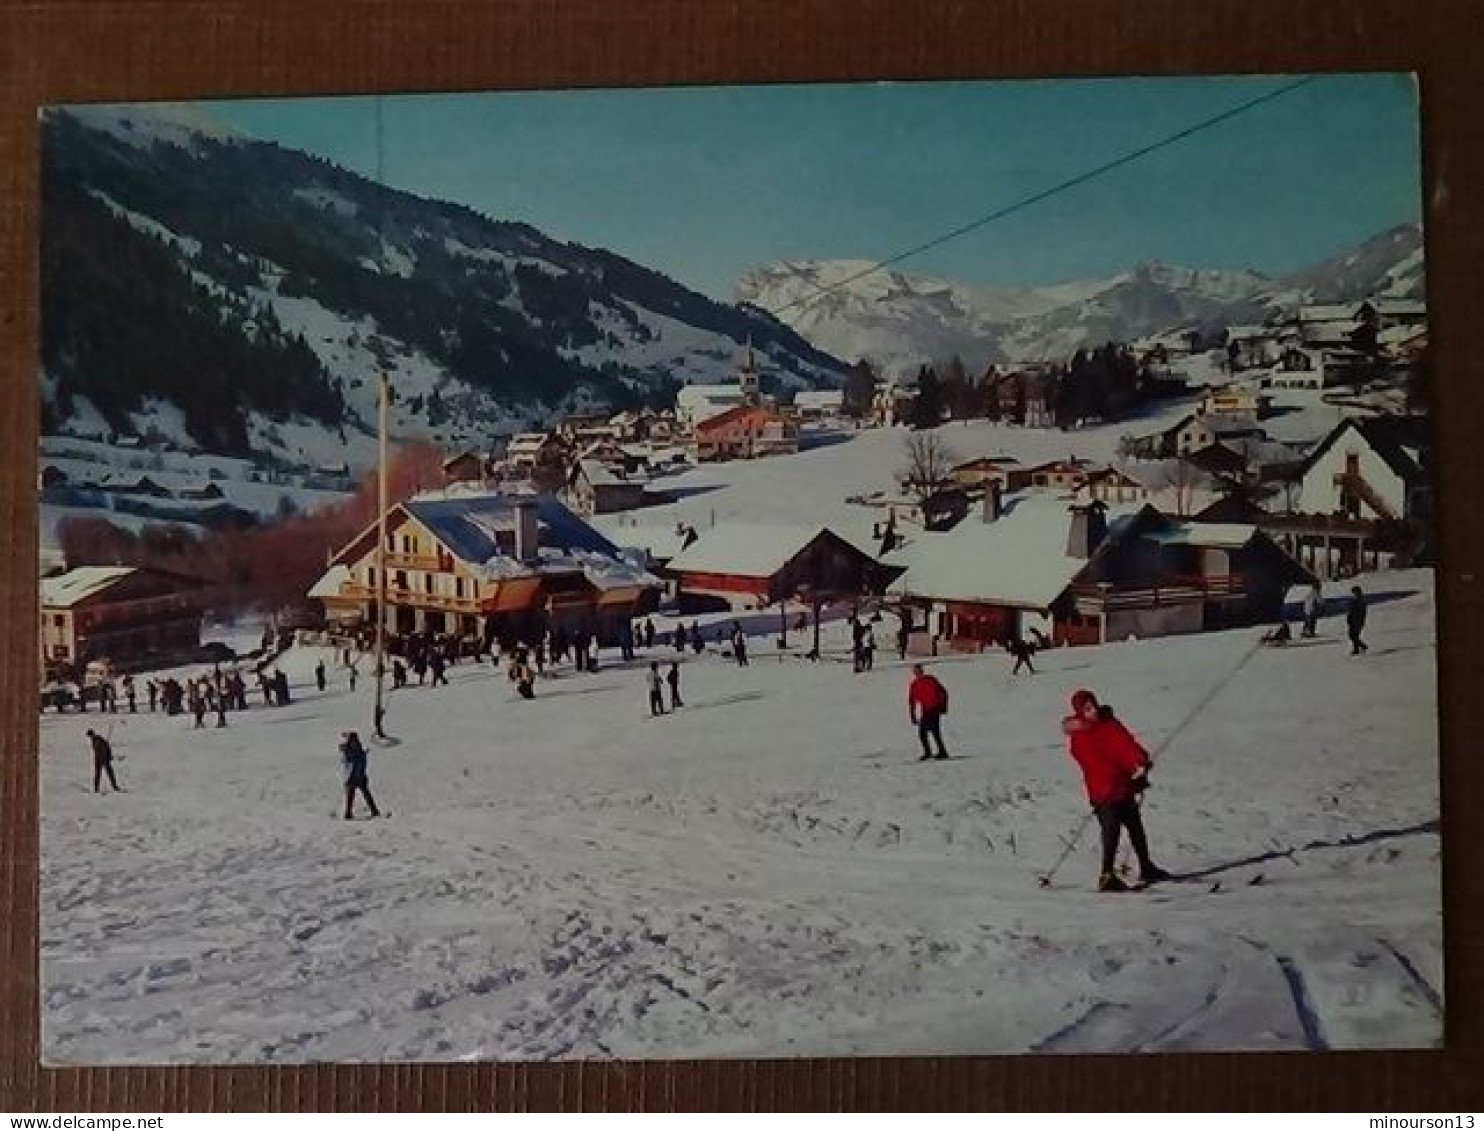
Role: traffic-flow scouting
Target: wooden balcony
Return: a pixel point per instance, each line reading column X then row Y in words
column 396, row 595
column 429, row 563
column 1175, row 589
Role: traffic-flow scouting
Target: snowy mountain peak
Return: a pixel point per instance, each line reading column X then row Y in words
column 171, row 123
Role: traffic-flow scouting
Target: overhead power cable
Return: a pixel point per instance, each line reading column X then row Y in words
column 1054, row 190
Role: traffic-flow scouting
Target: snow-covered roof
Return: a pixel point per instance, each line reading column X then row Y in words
column 329, row 584
column 1018, row 560
column 661, row 541
column 1333, row 312
column 1246, row 333
column 1401, row 307
column 820, row 398
column 471, row 526
column 599, row 475
column 745, row 549
column 1214, row 535
column 66, row 590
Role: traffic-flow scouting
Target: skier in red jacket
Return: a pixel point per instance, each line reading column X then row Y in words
column 1115, row 768
column 927, row 703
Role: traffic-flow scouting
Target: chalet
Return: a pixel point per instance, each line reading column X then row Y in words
column 1196, row 432
column 1400, row 312
column 978, row 474
column 1296, row 368
column 1058, row 475
column 744, row 565
column 1251, row 347
column 891, row 402
column 1369, row 468
column 528, row 450
column 597, row 488
column 1363, row 495
column 1232, row 401
column 1219, row 460
column 584, row 428
column 695, row 403
column 745, row 432
column 1333, row 325
column 1112, row 488
column 492, row 566
column 465, row 467
column 820, row 404
column 1079, row 576
column 127, row 615
column 1021, row 395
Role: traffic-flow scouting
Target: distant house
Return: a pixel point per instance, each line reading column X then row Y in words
column 820, row 404
column 465, row 467
column 1232, row 401
column 1082, row 576
column 1296, row 368
column 123, row 614
column 891, row 402
column 1219, row 460
column 1057, row 475
column 1112, row 488
column 1196, row 432
column 979, row 473
column 598, row 488
column 745, row 432
column 1326, row 326
column 207, row 491
column 51, row 476
column 495, row 566
column 527, row 450
column 1252, row 347
column 746, row 565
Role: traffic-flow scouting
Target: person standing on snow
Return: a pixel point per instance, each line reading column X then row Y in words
column 656, row 690
column 1355, row 621
column 1313, row 603
column 927, row 703
column 353, row 758
column 102, row 762
column 319, row 675
column 672, row 677
column 129, row 693
column 1022, row 652
column 1115, row 770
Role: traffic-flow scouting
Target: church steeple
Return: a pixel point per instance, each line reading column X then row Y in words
column 747, row 376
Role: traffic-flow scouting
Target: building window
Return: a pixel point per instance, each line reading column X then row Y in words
column 371, row 577
column 402, row 579
column 60, row 620
column 427, row 583
column 458, row 587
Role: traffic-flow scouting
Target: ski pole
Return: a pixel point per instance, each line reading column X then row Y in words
column 1069, row 845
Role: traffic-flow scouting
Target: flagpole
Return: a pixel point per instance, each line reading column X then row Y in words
column 381, row 586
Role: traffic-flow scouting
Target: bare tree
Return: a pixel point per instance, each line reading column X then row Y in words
column 928, row 461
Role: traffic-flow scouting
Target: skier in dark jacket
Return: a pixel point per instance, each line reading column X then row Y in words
column 353, row 758
column 656, row 689
column 1115, row 769
column 672, row 677
column 697, row 642
column 102, row 762
column 648, row 632
column 319, row 675
column 679, row 638
column 739, row 644
column 1022, row 652
column 927, row 703
column 1355, row 621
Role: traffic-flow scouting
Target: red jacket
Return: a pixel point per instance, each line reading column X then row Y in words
column 1109, row 756
column 926, row 694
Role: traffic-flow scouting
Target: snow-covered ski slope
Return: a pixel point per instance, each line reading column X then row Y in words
column 769, row 872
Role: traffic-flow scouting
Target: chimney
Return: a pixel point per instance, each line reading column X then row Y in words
column 527, row 531
column 992, row 503
column 1088, row 529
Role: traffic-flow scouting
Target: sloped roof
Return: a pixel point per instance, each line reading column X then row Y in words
column 661, row 541
column 329, row 584
column 1018, row 560
column 746, row 549
column 67, row 589
column 1215, row 535
column 470, row 525
column 1395, row 439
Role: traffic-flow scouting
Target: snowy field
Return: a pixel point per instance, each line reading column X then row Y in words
column 767, row 872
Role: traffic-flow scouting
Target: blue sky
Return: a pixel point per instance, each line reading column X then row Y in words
column 704, row 183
